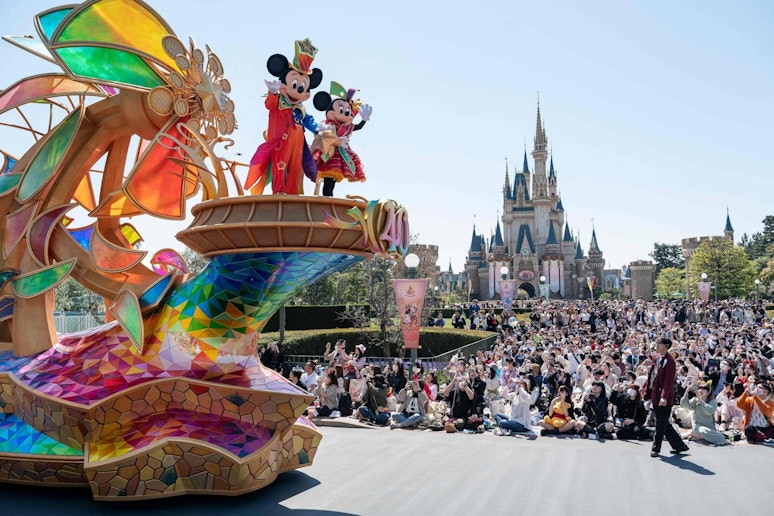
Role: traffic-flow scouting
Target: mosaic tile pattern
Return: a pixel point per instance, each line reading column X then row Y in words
column 18, row 437
column 62, row 472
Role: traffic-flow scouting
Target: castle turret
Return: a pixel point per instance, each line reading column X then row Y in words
column 507, row 186
column 540, row 155
column 552, row 179
column 526, row 177
column 728, row 232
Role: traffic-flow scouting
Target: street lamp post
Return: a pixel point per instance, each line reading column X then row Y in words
column 412, row 262
column 757, row 289
column 542, row 287
column 504, row 272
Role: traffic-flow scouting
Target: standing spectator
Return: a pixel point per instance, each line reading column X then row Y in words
column 273, row 357
column 339, row 355
column 661, row 391
column 458, row 320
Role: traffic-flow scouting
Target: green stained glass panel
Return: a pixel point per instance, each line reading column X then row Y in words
column 43, row 280
column 126, row 308
column 47, row 160
column 51, row 20
column 109, row 65
column 8, row 181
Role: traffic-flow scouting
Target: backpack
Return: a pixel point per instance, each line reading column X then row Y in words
column 345, row 404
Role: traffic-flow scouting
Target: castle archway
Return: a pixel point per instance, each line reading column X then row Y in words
column 528, row 288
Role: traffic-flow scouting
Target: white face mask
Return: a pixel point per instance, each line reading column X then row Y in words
column 394, row 369
column 417, row 369
column 631, row 392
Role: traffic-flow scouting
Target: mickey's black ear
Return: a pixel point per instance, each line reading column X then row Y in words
column 315, row 79
column 321, row 101
column 277, row 64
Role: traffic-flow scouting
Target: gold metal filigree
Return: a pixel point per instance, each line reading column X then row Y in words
column 199, row 91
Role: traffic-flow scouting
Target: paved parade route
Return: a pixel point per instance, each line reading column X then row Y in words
column 378, row 471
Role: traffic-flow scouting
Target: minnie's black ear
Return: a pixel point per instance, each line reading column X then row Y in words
column 315, row 79
column 277, row 64
column 321, row 101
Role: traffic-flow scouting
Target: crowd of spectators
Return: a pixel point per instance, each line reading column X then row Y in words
column 577, row 368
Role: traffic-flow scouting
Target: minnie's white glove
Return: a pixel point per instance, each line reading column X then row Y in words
column 344, row 141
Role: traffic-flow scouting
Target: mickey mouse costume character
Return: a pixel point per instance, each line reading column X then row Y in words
column 285, row 156
column 332, row 154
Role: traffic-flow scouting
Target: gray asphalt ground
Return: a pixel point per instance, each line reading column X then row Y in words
column 373, row 471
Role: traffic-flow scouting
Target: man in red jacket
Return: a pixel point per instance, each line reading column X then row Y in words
column 661, row 391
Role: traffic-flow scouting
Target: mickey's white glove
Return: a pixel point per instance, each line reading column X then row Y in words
column 344, row 141
column 321, row 128
column 365, row 112
column 274, row 86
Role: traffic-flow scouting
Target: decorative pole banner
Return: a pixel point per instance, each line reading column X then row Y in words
column 590, row 280
column 704, row 290
column 410, row 295
column 507, row 291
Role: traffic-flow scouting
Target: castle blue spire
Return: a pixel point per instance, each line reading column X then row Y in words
column 498, row 238
column 579, row 253
column 525, row 167
column 728, row 223
column 551, row 172
column 507, row 187
column 475, row 242
column 567, row 235
column 551, row 240
column 594, row 248
column 559, row 205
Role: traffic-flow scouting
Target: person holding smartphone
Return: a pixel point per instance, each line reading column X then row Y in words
column 757, row 405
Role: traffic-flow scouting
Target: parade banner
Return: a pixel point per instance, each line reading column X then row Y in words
column 704, row 288
column 410, row 296
column 590, row 281
column 507, row 292
column 543, row 290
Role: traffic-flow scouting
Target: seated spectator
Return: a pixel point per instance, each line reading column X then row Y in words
column 359, row 358
column 440, row 321
column 431, row 385
column 702, row 413
column 396, row 378
column 595, row 422
column 492, row 381
column 757, row 406
column 374, row 407
column 412, row 406
column 630, row 412
column 559, row 418
column 459, row 397
column 295, row 378
column 327, row 395
column 520, row 419
column 309, row 378
column 458, row 320
column 727, row 411
column 418, row 371
column 479, row 388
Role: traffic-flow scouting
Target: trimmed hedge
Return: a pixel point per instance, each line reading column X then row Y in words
column 433, row 341
column 299, row 317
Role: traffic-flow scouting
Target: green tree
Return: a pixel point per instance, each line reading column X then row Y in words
column 757, row 245
column 669, row 281
column 667, row 255
column 726, row 265
column 71, row 296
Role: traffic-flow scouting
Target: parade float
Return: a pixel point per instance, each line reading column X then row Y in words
column 168, row 397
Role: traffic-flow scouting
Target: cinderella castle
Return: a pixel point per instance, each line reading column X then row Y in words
column 535, row 241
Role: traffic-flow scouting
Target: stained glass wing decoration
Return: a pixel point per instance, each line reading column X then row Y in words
column 48, row 159
column 32, row 45
column 16, row 226
column 40, row 232
column 109, row 257
column 42, row 280
column 42, row 87
column 112, row 42
column 167, row 259
column 126, row 309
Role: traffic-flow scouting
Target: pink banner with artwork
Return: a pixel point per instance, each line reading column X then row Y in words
column 410, row 295
column 507, row 291
column 704, row 290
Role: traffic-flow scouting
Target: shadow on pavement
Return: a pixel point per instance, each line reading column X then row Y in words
column 682, row 463
column 21, row 499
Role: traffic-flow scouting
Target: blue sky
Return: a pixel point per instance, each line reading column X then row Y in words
column 659, row 114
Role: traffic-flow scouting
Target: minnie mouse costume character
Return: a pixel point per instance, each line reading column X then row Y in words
column 285, row 156
column 332, row 155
